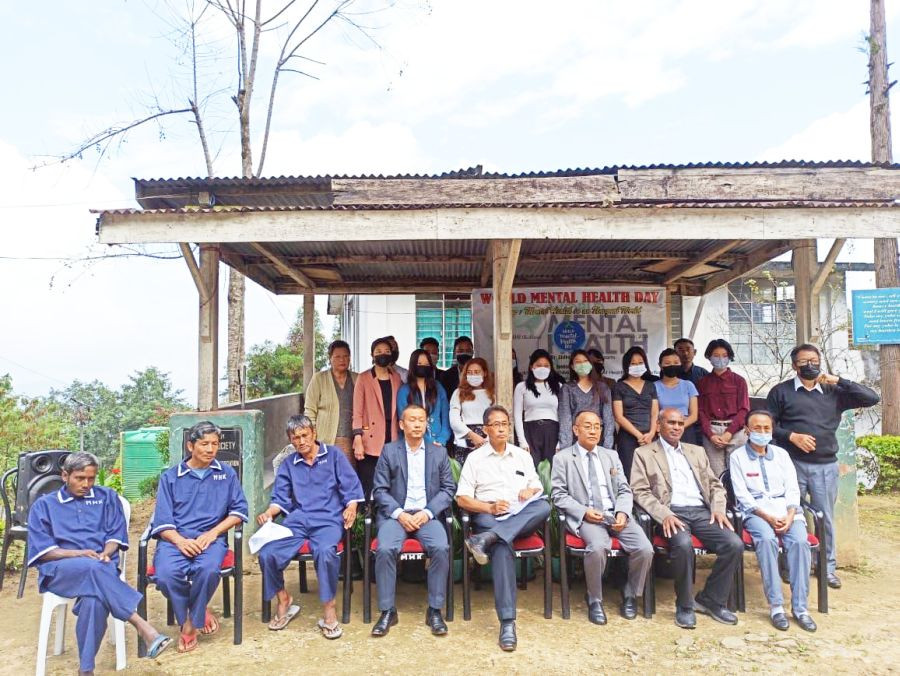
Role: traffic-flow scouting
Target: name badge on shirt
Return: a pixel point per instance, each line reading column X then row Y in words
column 219, row 477
column 752, row 474
column 613, row 471
column 520, row 472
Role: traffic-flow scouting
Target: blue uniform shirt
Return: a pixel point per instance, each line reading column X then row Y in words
column 192, row 505
column 315, row 495
column 61, row 521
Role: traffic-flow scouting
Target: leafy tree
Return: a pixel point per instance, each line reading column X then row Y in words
column 277, row 368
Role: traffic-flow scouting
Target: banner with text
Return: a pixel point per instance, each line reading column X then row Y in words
column 562, row 319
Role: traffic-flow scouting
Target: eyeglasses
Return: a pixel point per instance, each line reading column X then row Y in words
column 805, row 362
column 590, row 428
column 498, row 425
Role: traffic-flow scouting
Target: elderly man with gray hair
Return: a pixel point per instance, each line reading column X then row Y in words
column 74, row 538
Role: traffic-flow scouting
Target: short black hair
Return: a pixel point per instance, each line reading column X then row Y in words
column 668, row 352
column 495, row 408
column 429, row 341
column 462, row 339
column 380, row 341
column 759, row 411
column 801, row 348
column 719, row 342
column 335, row 344
column 683, row 340
column 201, row 429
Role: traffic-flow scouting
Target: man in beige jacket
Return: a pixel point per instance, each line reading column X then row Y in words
column 673, row 482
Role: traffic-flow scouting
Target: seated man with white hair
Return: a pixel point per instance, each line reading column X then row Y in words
column 74, row 538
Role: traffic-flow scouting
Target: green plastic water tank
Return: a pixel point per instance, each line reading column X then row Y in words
column 140, row 459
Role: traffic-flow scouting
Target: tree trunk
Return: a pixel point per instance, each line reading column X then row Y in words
column 886, row 273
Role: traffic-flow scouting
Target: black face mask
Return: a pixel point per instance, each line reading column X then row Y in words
column 423, row 371
column 810, row 371
column 463, row 357
column 382, row 360
column 671, row 371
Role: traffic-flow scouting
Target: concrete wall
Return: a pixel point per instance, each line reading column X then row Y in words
column 371, row 317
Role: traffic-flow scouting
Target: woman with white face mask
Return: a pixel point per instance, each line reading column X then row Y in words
column 585, row 391
column 635, row 406
column 535, row 403
column 467, row 405
column 722, row 406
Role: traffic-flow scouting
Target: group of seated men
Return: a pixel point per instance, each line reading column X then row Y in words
column 75, row 534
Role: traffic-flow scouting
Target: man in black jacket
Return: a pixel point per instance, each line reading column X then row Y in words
column 807, row 411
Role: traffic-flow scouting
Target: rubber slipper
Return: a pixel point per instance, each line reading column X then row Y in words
column 187, row 643
column 330, row 633
column 211, row 626
column 160, row 643
column 279, row 623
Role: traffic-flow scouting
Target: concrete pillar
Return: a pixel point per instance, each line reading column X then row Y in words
column 208, row 330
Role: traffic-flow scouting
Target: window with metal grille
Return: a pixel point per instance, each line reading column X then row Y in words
column 444, row 317
column 761, row 320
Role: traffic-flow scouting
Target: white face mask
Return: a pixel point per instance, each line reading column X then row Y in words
column 474, row 381
column 541, row 372
column 637, row 370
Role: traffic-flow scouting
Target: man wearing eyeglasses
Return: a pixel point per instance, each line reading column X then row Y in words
column 496, row 484
column 807, row 411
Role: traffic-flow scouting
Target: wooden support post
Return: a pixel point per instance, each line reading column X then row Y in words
column 504, row 259
column 802, row 263
column 208, row 352
column 309, row 339
column 821, row 276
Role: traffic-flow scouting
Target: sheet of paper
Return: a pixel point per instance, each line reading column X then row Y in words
column 268, row 532
column 516, row 506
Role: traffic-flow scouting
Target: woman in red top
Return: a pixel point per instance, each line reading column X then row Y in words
column 723, row 406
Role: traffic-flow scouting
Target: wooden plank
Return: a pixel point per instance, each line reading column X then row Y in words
column 803, row 263
column 553, row 190
column 309, row 339
column 489, row 223
column 283, row 267
column 696, row 265
column 504, row 259
column 208, row 331
column 253, row 273
column 838, row 184
column 193, row 268
column 826, row 268
column 752, row 261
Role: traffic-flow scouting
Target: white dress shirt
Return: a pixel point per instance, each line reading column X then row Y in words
column 685, row 491
column 416, row 499
column 606, row 503
column 490, row 476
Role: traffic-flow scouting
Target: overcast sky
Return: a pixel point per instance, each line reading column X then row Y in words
column 514, row 86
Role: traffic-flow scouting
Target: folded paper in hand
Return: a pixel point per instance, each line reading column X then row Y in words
column 268, row 532
column 516, row 506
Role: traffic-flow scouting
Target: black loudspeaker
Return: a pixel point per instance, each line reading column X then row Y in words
column 40, row 472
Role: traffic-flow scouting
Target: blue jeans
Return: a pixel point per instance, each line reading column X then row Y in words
column 796, row 550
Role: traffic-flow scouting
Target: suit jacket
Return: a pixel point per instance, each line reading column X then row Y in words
column 569, row 484
column 651, row 479
column 368, row 410
column 391, row 478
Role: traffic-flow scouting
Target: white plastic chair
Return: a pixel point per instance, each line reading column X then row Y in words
column 60, row 605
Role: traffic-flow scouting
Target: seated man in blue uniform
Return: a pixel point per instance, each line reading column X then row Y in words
column 413, row 486
column 317, row 490
column 75, row 535
column 497, row 480
column 198, row 501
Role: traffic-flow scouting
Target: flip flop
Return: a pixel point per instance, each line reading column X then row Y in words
column 187, row 643
column 211, row 626
column 279, row 623
column 330, row 633
column 160, row 643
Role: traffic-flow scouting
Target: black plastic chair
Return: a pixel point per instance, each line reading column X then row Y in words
column 526, row 547
column 412, row 550
column 232, row 567
column 12, row 531
column 573, row 546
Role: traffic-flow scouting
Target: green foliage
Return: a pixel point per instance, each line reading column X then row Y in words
column 162, row 447
column 110, row 478
column 886, row 450
column 147, row 487
column 544, row 470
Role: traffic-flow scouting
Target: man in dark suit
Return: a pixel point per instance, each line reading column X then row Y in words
column 413, row 485
column 674, row 483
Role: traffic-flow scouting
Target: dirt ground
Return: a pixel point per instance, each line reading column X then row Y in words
column 858, row 634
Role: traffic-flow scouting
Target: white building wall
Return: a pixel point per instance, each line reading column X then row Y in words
column 371, row 317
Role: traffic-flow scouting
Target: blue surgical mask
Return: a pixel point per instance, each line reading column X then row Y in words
column 719, row 362
column 760, row 438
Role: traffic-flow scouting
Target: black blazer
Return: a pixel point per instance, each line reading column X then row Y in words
column 391, row 477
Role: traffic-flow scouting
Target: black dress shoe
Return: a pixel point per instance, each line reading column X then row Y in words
column 508, row 635
column 434, row 620
column 833, row 581
column 595, row 612
column 805, row 621
column 480, row 544
column 780, row 622
column 628, row 609
column 387, row 620
column 685, row 618
column 718, row 613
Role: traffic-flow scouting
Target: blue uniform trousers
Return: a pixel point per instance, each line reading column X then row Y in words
column 503, row 560
column 189, row 583
column 323, row 539
column 99, row 593
column 796, row 550
column 390, row 541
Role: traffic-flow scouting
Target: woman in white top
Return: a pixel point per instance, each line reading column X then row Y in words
column 535, row 404
column 467, row 405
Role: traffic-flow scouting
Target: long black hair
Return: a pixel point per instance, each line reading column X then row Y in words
column 554, row 380
column 626, row 362
column 414, row 397
column 598, row 387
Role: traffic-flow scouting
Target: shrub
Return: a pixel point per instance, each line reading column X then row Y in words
column 148, row 486
column 886, row 450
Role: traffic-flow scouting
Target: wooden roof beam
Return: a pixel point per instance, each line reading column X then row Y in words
column 751, row 262
column 283, row 267
column 696, row 265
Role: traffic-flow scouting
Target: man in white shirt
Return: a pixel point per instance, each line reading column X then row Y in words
column 497, row 479
column 674, row 483
column 413, row 486
column 590, row 489
column 768, row 494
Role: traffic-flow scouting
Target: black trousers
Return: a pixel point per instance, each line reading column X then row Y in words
column 542, row 436
column 626, row 445
column 727, row 547
column 365, row 470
